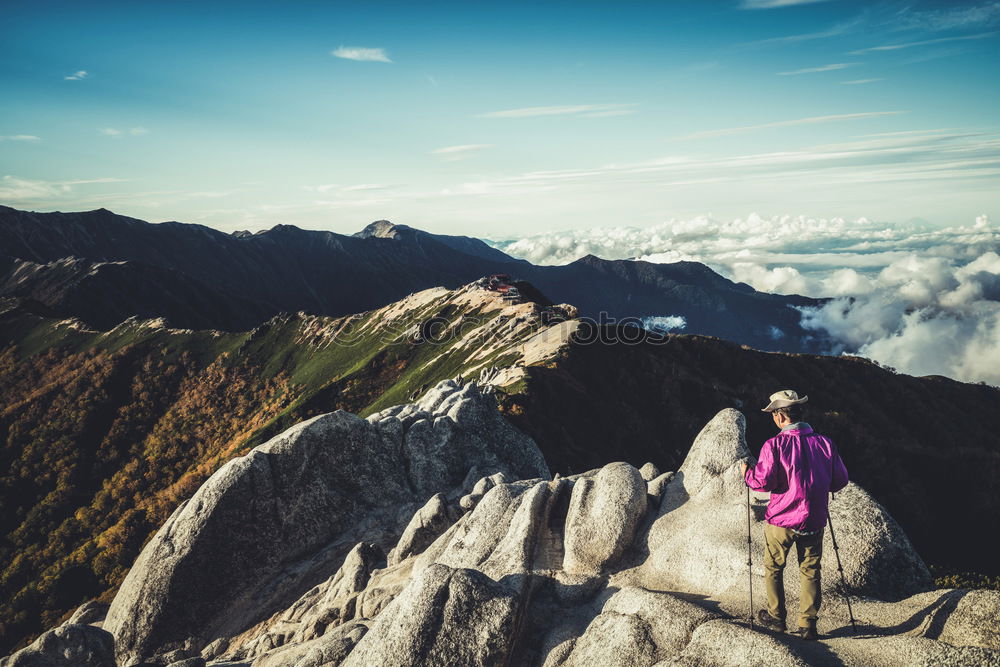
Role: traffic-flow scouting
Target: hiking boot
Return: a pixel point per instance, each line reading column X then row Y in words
column 806, row 632
column 764, row 618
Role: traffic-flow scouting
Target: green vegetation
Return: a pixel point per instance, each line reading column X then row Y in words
column 104, row 434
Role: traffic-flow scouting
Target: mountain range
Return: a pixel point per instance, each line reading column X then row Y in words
column 105, row 432
column 102, row 268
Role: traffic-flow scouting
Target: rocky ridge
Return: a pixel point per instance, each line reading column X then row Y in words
column 443, row 540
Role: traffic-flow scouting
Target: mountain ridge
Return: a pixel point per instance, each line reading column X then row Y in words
column 287, row 268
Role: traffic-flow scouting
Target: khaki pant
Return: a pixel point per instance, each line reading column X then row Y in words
column 809, row 549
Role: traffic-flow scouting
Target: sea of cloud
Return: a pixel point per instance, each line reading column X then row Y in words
column 922, row 299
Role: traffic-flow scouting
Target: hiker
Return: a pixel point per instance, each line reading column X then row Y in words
column 800, row 468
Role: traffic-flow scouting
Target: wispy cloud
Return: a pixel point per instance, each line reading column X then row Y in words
column 801, row 37
column 788, row 123
column 132, row 131
column 925, row 42
column 929, row 157
column 362, row 54
column 19, row 137
column 78, row 75
column 362, row 187
column 973, row 16
column 585, row 110
column 337, row 187
column 823, row 68
column 774, row 4
column 461, row 152
column 858, row 82
column 25, row 190
column 842, row 28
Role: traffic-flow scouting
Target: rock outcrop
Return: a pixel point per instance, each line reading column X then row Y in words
column 69, row 645
column 604, row 512
column 440, row 539
column 273, row 524
column 698, row 541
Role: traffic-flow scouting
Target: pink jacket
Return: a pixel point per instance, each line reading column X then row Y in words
column 800, row 468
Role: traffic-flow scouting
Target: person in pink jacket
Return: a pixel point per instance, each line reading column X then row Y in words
column 800, row 468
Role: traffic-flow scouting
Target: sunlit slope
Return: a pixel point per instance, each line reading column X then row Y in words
column 105, row 432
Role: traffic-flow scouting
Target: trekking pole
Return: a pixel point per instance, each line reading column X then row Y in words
column 749, row 559
column 840, row 568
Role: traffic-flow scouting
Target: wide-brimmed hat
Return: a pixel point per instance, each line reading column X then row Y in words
column 782, row 399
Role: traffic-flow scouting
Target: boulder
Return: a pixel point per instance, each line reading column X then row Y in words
column 89, row 613
column 604, row 513
column 69, row 645
column 446, row 616
column 479, row 490
column 268, row 526
column 197, row 661
column 614, row 640
column 698, row 542
column 878, row 558
column 658, row 484
column 330, row 649
column 726, row 644
column 427, row 524
column 327, row 605
column 671, row 620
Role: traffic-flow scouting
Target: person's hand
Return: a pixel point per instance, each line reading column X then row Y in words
column 743, row 468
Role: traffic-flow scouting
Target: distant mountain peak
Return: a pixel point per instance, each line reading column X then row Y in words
column 382, row 229
column 282, row 227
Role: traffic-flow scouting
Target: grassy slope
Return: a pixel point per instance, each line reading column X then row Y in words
column 103, row 434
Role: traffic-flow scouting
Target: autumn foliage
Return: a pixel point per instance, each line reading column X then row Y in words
column 98, row 447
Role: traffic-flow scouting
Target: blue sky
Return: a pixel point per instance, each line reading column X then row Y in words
column 501, row 119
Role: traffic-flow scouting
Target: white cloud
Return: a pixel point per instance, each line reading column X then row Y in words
column 787, row 123
column 925, row 156
column 925, row 42
column 779, row 279
column 320, row 188
column 361, row 53
column 79, row 75
column 132, row 131
column 927, row 316
column 460, row 152
column 22, row 191
column 363, row 187
column 955, row 17
column 923, row 299
column 835, row 31
column 664, row 323
column 337, row 187
column 19, row 137
column 858, row 82
column 822, row 68
column 773, row 4
column 586, row 110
